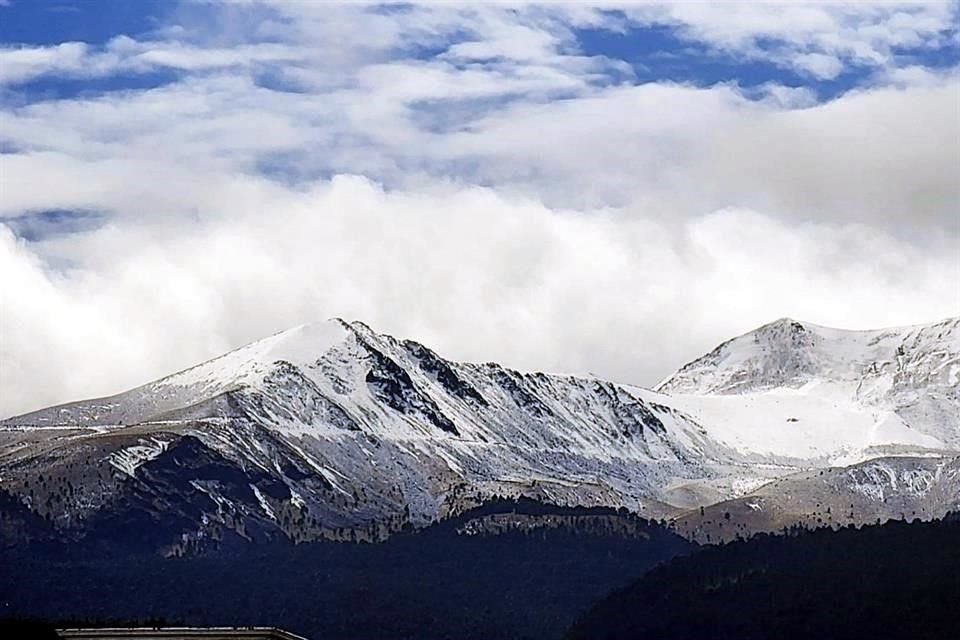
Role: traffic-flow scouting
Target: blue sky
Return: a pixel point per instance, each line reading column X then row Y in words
column 55, row 21
column 51, row 22
column 555, row 186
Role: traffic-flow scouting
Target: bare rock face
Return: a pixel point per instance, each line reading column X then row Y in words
column 332, row 431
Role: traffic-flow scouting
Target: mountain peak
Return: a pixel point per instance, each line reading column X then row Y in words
column 784, row 322
column 789, row 353
column 785, row 330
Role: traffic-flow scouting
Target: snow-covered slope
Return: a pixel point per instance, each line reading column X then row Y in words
column 331, row 378
column 241, row 368
column 788, row 353
column 799, row 390
column 339, row 427
column 332, row 430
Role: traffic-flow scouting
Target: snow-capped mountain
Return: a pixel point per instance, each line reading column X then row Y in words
column 331, row 430
column 800, row 390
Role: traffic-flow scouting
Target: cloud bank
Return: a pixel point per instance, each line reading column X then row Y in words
column 477, row 275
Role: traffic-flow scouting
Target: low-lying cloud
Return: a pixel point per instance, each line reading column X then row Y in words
column 477, row 275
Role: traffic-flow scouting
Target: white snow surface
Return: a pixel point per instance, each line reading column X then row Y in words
column 267, row 509
column 301, row 345
column 817, row 421
column 790, row 353
column 241, row 368
column 801, row 390
column 130, row 458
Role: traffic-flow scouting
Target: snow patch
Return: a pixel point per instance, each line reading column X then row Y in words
column 817, row 422
column 263, row 502
column 130, row 458
column 296, row 499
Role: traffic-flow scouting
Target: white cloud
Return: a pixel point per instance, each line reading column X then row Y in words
column 19, row 64
column 473, row 273
column 814, row 36
column 124, row 55
column 882, row 156
column 820, row 65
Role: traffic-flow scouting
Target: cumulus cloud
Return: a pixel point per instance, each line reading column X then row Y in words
column 506, row 197
column 19, row 64
column 887, row 155
column 819, row 37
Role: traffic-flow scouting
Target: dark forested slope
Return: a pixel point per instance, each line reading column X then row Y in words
column 506, row 570
column 897, row 580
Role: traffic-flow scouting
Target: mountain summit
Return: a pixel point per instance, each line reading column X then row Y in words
column 907, row 375
column 788, row 353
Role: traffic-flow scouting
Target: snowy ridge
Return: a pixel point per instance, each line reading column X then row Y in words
column 365, row 429
column 332, row 426
column 788, row 384
column 788, row 353
column 236, row 369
